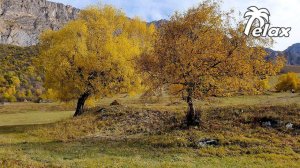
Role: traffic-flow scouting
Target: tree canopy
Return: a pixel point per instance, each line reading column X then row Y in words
column 94, row 55
column 201, row 53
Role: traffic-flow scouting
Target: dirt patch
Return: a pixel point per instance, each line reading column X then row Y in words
column 125, row 120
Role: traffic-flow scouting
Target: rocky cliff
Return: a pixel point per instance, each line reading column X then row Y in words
column 22, row 21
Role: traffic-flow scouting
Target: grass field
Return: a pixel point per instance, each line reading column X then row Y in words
column 140, row 134
column 32, row 113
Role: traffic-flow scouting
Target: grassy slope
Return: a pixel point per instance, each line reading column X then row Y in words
column 133, row 137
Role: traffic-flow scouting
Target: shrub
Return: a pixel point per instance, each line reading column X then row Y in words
column 288, row 82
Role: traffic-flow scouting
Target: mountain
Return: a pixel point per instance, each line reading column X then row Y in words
column 22, row 21
column 293, row 54
column 273, row 54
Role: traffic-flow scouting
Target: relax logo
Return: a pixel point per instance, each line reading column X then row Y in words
column 261, row 16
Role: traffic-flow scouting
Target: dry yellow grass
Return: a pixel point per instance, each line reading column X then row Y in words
column 148, row 134
column 33, row 113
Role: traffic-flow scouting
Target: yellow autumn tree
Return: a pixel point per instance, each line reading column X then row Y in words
column 202, row 54
column 95, row 55
column 288, row 82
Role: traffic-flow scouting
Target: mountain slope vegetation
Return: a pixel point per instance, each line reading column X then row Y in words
column 19, row 81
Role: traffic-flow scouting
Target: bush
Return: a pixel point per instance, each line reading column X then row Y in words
column 288, row 82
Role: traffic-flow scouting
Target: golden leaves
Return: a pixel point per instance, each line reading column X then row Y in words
column 95, row 53
column 198, row 49
column 288, row 82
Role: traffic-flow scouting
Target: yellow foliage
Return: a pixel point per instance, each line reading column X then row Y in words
column 49, row 95
column 91, row 102
column 2, row 80
column 17, row 71
column 95, row 54
column 21, row 94
column 39, row 92
column 16, row 81
column 31, row 71
column 176, row 89
column 5, row 95
column 288, row 82
column 265, row 84
column 29, row 94
column 9, row 94
column 198, row 50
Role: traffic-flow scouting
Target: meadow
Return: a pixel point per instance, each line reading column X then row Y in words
column 197, row 54
column 138, row 133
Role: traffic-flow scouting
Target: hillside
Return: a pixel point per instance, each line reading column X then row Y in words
column 18, row 78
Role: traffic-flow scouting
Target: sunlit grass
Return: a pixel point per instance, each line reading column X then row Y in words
column 33, row 117
column 27, row 139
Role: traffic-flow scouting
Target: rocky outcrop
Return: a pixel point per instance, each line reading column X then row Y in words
column 22, row 21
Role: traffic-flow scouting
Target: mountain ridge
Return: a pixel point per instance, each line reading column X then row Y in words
column 292, row 54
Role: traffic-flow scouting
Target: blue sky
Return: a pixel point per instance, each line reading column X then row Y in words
column 284, row 13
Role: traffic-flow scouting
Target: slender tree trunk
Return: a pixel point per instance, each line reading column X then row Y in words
column 192, row 117
column 80, row 104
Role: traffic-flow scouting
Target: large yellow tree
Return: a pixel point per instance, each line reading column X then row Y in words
column 201, row 54
column 95, row 55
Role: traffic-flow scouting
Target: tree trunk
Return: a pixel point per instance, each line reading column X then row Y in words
column 80, row 104
column 192, row 117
